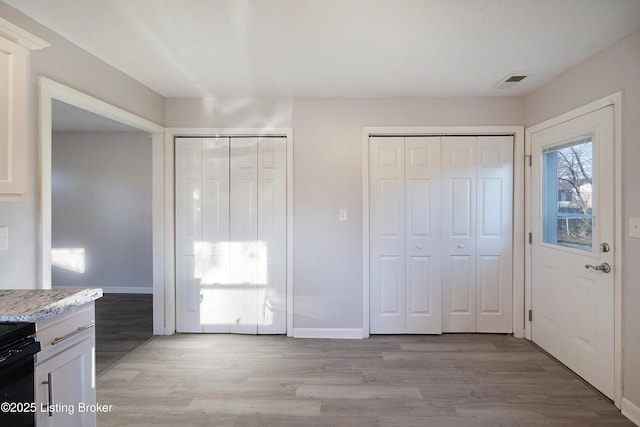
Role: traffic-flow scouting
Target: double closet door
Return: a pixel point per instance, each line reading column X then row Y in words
column 440, row 234
column 231, row 235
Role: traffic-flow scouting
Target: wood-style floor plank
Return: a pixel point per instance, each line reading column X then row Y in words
column 449, row 380
column 123, row 322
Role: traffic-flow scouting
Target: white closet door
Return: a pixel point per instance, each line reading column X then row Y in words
column 188, row 233
column 459, row 234
column 215, row 244
column 202, row 234
column 231, row 224
column 441, row 234
column 477, row 222
column 244, row 236
column 422, row 218
column 272, row 235
column 387, row 230
column 494, row 234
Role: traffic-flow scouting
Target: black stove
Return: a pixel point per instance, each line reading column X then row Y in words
column 10, row 332
column 18, row 347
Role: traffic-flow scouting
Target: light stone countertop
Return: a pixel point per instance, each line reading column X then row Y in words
column 33, row 305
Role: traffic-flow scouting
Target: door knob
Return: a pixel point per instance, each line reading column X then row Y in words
column 604, row 267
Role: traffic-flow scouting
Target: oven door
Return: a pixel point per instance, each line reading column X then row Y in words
column 17, row 404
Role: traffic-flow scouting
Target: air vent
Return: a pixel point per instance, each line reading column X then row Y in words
column 510, row 81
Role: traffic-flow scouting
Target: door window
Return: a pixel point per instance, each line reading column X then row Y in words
column 567, row 177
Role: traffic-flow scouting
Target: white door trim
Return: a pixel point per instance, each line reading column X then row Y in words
column 616, row 101
column 50, row 90
column 169, row 196
column 518, row 208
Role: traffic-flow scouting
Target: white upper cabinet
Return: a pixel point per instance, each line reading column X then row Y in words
column 13, row 117
column 15, row 44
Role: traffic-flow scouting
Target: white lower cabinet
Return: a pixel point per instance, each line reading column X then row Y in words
column 65, row 370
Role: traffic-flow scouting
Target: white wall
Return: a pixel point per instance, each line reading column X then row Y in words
column 228, row 112
column 327, row 133
column 327, row 136
column 68, row 64
column 616, row 68
column 101, row 186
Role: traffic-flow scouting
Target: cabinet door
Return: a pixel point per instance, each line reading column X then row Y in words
column 65, row 382
column 13, row 117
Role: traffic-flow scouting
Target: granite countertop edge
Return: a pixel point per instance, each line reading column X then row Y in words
column 33, row 305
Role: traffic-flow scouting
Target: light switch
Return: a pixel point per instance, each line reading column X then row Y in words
column 4, row 238
column 634, row 227
column 342, row 215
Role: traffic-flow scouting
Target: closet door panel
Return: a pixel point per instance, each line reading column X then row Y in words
column 459, row 234
column 215, row 315
column 494, row 241
column 422, row 234
column 391, row 272
column 243, row 235
column 272, row 235
column 189, row 254
column 387, row 235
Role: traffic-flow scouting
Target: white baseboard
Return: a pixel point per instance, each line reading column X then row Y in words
column 630, row 411
column 331, row 333
column 113, row 289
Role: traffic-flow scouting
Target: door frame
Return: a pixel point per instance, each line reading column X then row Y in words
column 50, row 90
column 169, row 209
column 518, row 244
column 614, row 100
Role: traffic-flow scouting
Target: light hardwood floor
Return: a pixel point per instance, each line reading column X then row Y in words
column 411, row 380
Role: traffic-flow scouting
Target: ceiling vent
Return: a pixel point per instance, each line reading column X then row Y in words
column 510, row 81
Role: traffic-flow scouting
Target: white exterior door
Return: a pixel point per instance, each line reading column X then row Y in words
column 440, row 234
column 231, row 235
column 573, row 247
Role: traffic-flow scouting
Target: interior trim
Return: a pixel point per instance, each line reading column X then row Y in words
column 21, row 36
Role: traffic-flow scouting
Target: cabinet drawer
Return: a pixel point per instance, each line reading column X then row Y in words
column 62, row 331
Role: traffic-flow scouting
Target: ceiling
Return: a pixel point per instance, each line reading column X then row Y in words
column 346, row 48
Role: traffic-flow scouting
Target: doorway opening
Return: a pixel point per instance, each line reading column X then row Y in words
column 74, row 257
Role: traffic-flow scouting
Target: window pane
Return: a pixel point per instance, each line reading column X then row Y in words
column 568, row 196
